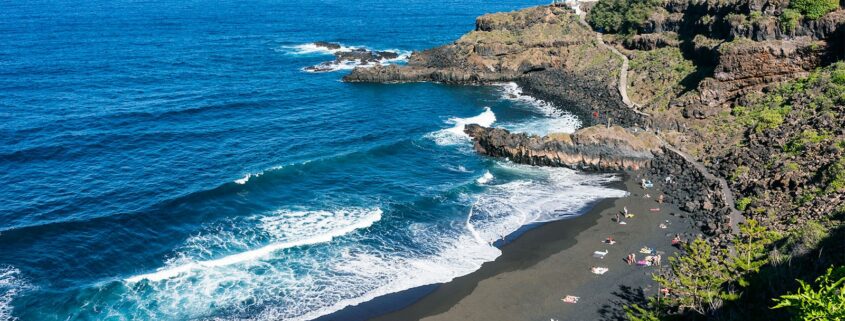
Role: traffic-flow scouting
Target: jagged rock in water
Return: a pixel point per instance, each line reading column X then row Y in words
column 593, row 148
column 358, row 56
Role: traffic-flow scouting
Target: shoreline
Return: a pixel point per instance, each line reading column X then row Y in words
column 537, row 267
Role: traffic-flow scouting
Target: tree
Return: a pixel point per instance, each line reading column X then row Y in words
column 826, row 303
column 750, row 250
column 698, row 279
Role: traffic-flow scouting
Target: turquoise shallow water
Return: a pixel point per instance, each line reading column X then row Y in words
column 172, row 161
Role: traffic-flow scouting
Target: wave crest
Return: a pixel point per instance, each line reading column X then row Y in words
column 455, row 135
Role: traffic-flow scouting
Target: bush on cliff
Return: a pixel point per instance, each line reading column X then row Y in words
column 814, row 9
column 789, row 20
column 621, row 16
column 824, row 301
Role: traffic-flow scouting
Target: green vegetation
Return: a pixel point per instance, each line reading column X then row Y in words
column 739, row 172
column 654, row 76
column 750, row 253
column 743, row 203
column 622, row 16
column 768, row 114
column 807, row 137
column 697, row 279
column 825, row 301
column 789, row 20
column 814, row 9
column 835, row 176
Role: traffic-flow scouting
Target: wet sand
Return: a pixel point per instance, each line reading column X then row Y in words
column 551, row 261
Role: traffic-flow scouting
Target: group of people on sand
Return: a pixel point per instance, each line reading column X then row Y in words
column 650, row 260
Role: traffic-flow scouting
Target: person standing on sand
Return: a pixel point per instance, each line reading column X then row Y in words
column 657, row 260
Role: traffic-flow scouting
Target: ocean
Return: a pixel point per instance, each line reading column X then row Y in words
column 173, row 160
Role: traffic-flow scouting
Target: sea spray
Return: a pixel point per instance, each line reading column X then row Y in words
column 455, row 135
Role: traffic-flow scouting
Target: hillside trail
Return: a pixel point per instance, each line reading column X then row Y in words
column 735, row 216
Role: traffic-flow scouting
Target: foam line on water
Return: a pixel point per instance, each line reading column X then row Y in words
column 11, row 285
column 455, row 135
column 171, row 272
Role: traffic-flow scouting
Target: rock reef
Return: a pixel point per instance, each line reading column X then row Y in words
column 594, row 148
column 361, row 56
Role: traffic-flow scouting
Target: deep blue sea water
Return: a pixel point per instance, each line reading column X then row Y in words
column 172, row 160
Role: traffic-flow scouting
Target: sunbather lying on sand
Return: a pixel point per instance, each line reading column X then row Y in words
column 599, row 270
column 570, row 299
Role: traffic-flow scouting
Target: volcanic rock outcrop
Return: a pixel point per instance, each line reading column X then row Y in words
column 593, row 148
column 360, row 56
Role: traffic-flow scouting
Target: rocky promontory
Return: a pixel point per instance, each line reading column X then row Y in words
column 593, row 148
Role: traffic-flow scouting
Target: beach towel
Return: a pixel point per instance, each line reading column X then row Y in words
column 646, row 250
column 643, row 263
column 655, row 209
column 599, row 254
column 570, row 299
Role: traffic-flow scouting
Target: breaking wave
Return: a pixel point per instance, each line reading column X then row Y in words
column 331, row 66
column 554, row 120
column 455, row 135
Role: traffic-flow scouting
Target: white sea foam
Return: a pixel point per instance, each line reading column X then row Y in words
column 311, row 48
column 325, row 278
column 554, row 120
column 11, row 284
column 334, row 224
column 455, row 134
column 331, row 66
column 245, row 179
column 484, row 179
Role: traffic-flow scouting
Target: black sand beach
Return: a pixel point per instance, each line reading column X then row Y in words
column 547, row 263
column 552, row 261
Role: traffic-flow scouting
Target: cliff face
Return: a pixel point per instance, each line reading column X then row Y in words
column 592, row 148
column 749, row 66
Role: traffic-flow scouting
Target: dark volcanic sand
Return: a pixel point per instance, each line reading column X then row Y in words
column 549, row 262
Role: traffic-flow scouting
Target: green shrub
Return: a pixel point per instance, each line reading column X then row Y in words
column 814, row 9
column 835, row 175
column 621, row 16
column 807, row 137
column 837, row 75
column 743, row 203
column 825, row 301
column 789, row 20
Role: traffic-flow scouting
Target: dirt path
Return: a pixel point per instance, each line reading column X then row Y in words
column 623, row 71
column 735, row 216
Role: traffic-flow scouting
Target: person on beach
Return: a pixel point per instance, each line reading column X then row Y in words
column 625, row 210
column 631, row 258
column 660, row 199
column 618, row 220
column 657, row 260
column 676, row 241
